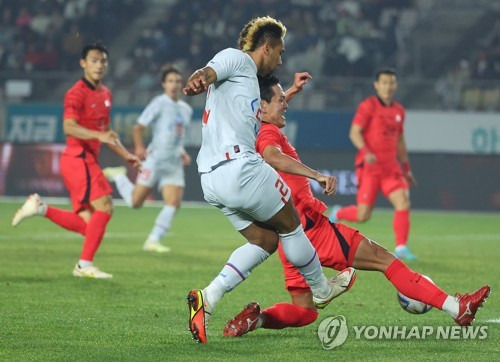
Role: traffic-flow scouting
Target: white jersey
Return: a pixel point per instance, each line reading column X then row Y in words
column 231, row 120
column 168, row 120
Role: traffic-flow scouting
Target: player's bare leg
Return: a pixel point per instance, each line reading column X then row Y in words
column 85, row 214
column 400, row 200
column 96, row 226
column 462, row 308
column 139, row 195
column 172, row 197
column 364, row 212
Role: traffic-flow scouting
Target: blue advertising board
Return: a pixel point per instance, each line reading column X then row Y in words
column 41, row 123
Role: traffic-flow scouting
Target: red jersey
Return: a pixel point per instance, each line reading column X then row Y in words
column 302, row 196
column 91, row 108
column 382, row 125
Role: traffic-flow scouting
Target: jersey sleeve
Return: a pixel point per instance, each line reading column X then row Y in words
column 73, row 104
column 363, row 114
column 403, row 120
column 226, row 63
column 149, row 113
column 268, row 137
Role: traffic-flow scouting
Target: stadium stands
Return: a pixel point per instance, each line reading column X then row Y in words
column 341, row 43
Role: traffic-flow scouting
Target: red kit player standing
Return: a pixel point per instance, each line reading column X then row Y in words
column 86, row 118
column 377, row 133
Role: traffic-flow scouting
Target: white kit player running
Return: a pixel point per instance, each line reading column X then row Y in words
column 165, row 157
column 236, row 179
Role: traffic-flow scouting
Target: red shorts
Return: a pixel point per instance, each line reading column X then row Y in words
column 372, row 178
column 83, row 179
column 335, row 243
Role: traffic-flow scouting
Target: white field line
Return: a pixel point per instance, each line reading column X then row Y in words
column 70, row 235
column 205, row 205
column 449, row 237
column 117, row 202
column 495, row 320
column 132, row 235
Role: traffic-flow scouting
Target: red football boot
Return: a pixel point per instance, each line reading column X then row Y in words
column 244, row 322
column 470, row 304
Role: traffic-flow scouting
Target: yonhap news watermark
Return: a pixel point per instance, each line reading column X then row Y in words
column 333, row 332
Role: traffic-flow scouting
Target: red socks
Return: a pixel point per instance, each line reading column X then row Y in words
column 66, row 219
column 401, row 225
column 348, row 213
column 282, row 315
column 94, row 234
column 413, row 285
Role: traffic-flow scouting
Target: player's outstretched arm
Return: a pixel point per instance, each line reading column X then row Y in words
column 73, row 129
column 356, row 136
column 284, row 163
column 118, row 148
column 199, row 81
column 140, row 149
column 186, row 159
column 403, row 157
column 299, row 81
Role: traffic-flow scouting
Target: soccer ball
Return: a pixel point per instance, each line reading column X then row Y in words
column 413, row 306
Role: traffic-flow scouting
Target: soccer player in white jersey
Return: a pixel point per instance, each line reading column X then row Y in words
column 165, row 157
column 235, row 178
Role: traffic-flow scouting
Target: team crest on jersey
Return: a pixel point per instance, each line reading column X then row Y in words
column 398, row 118
column 107, row 103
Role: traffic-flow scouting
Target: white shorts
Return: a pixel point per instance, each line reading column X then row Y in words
column 162, row 174
column 245, row 189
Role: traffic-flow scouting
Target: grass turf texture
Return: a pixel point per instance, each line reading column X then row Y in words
column 141, row 314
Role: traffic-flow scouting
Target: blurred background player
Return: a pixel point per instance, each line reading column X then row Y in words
column 86, row 123
column 377, row 133
column 236, row 179
column 339, row 246
column 165, row 156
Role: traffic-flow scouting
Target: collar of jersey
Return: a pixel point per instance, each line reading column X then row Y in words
column 88, row 84
column 254, row 66
column 383, row 104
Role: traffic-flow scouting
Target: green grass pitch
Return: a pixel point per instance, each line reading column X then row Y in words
column 141, row 314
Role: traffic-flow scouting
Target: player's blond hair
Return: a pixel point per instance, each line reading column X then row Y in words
column 260, row 30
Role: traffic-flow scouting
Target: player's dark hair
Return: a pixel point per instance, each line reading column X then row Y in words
column 167, row 69
column 266, row 85
column 259, row 31
column 387, row 71
column 95, row 46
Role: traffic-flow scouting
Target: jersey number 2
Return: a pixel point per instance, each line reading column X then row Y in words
column 282, row 188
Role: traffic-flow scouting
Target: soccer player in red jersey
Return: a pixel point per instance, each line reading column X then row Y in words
column 377, row 133
column 338, row 246
column 86, row 118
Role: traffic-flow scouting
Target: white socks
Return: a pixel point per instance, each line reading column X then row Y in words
column 239, row 266
column 163, row 222
column 84, row 263
column 125, row 188
column 41, row 209
column 451, row 306
column 299, row 251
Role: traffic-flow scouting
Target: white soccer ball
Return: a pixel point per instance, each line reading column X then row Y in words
column 413, row 306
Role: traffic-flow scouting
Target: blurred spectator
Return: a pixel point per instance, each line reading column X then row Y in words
column 49, row 34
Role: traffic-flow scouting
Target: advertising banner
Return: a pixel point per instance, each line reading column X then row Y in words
column 447, row 182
